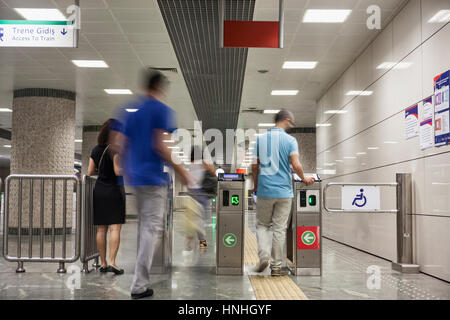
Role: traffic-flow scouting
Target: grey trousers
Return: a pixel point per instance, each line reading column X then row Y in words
column 151, row 204
column 275, row 213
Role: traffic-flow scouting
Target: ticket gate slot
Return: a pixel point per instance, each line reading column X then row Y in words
column 230, row 224
column 304, row 251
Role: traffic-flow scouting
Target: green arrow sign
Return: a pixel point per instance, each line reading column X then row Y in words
column 229, row 240
column 308, row 237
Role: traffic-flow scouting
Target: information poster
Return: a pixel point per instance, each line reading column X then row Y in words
column 412, row 122
column 442, row 109
column 426, row 125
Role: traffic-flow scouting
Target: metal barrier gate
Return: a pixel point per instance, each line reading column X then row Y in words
column 52, row 187
column 230, row 224
column 403, row 186
column 303, row 245
column 162, row 259
column 88, row 229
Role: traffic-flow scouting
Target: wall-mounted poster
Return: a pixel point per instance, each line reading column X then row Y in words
column 442, row 109
column 412, row 122
column 426, row 125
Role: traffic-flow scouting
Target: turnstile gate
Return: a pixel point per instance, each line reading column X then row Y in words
column 230, row 224
column 304, row 248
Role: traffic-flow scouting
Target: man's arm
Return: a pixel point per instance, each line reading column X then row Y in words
column 297, row 166
column 166, row 154
column 255, row 169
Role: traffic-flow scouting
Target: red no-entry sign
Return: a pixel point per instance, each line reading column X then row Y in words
column 308, row 238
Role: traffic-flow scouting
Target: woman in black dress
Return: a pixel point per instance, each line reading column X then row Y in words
column 109, row 199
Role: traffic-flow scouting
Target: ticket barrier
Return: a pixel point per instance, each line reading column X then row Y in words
column 303, row 245
column 230, row 224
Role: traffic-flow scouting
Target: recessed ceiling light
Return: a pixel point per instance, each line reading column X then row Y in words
column 284, row 92
column 90, row 63
column 299, row 64
column 336, row 111
column 169, row 141
column 78, row 140
column 390, row 65
column 390, row 142
column 173, row 147
column 5, row 110
column 270, row 111
column 339, row 160
column 41, row 14
column 266, row 124
column 325, row 16
column 361, row 153
column 7, row 145
column 323, row 124
column 441, row 16
column 131, row 110
column 372, row 148
column 349, row 157
column 329, row 164
column 359, row 93
column 118, row 91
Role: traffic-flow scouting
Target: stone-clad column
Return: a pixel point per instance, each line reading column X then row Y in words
column 90, row 135
column 43, row 134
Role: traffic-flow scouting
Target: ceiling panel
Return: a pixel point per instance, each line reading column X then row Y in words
column 334, row 46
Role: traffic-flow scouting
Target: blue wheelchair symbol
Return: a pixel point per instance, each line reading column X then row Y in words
column 360, row 197
column 1, row 34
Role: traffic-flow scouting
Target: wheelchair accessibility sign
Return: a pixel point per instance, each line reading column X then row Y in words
column 360, row 198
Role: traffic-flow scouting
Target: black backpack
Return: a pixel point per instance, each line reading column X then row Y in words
column 209, row 184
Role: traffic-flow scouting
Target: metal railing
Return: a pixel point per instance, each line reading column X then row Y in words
column 403, row 211
column 16, row 193
column 88, row 229
column 344, row 184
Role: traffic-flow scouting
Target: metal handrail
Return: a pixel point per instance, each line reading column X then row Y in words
column 30, row 258
column 88, row 249
column 343, row 184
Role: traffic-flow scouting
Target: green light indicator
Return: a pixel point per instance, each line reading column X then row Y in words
column 214, row 200
column 312, row 200
column 235, row 200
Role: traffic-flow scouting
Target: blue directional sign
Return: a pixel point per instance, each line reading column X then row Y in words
column 28, row 33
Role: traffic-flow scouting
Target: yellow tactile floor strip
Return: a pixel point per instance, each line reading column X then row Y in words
column 267, row 287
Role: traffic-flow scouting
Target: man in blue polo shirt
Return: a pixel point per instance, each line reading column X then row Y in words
column 274, row 153
column 139, row 138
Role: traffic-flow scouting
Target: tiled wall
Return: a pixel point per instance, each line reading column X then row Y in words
column 307, row 150
column 370, row 121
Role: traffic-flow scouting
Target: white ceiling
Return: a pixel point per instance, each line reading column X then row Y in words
column 130, row 34
column 126, row 34
column 334, row 46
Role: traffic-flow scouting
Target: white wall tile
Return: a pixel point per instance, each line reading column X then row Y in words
column 429, row 9
column 407, row 30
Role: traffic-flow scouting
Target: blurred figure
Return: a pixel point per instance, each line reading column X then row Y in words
column 219, row 170
column 199, row 170
column 109, row 200
column 139, row 140
column 272, row 181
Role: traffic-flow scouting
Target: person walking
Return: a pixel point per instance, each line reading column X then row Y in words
column 198, row 169
column 109, row 200
column 141, row 145
column 274, row 153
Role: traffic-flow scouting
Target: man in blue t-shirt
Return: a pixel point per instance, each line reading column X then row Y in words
column 272, row 180
column 139, row 139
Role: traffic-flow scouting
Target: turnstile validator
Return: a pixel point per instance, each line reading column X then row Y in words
column 230, row 224
column 304, row 248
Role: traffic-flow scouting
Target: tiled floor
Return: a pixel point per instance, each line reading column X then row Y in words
column 193, row 277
